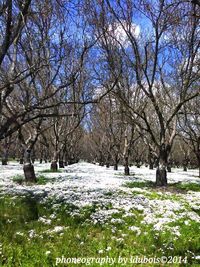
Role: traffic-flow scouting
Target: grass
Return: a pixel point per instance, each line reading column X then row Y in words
column 20, row 179
column 160, row 192
column 51, row 171
column 188, row 186
column 179, row 187
column 27, row 241
column 145, row 184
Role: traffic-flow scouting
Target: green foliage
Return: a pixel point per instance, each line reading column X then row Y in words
column 41, row 179
column 19, row 179
column 187, row 186
column 51, row 171
column 28, row 241
column 175, row 186
column 133, row 184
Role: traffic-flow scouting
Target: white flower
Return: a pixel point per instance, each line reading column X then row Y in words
column 113, row 220
column 108, row 248
column 128, row 214
column 52, row 216
column 47, row 252
column 44, row 220
column 120, row 240
column 31, row 233
column 19, row 233
column 135, row 229
column 100, row 251
column 58, row 229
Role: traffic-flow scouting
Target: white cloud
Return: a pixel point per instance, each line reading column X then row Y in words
column 118, row 32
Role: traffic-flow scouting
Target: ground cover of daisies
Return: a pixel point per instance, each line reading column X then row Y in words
column 90, row 212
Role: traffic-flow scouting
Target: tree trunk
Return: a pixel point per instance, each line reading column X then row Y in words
column 6, row 146
column 107, row 165
column 126, row 170
column 116, row 166
column 4, row 161
column 161, row 173
column 151, row 159
column 126, row 153
column 161, row 177
column 46, row 156
column 28, row 168
column 169, row 166
column 138, row 164
column 29, row 173
column 54, row 163
column 126, row 167
column 22, row 152
column 108, row 158
column 33, row 156
column 41, row 156
column 185, row 164
column 198, row 160
column 169, row 169
column 61, row 164
column 151, row 166
column 101, row 159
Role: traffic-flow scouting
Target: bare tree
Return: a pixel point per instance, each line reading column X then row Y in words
column 163, row 67
column 14, row 15
column 189, row 123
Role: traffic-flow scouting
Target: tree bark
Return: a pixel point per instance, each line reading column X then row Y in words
column 169, row 166
column 22, row 152
column 151, row 166
column 161, row 173
column 185, row 164
column 138, row 163
column 101, row 159
column 116, row 166
column 6, row 146
column 54, row 163
column 151, row 159
column 161, row 177
column 61, row 164
column 4, row 161
column 198, row 160
column 126, row 167
column 126, row 153
column 28, row 168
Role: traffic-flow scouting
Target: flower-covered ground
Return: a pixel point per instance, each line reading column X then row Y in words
column 86, row 210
